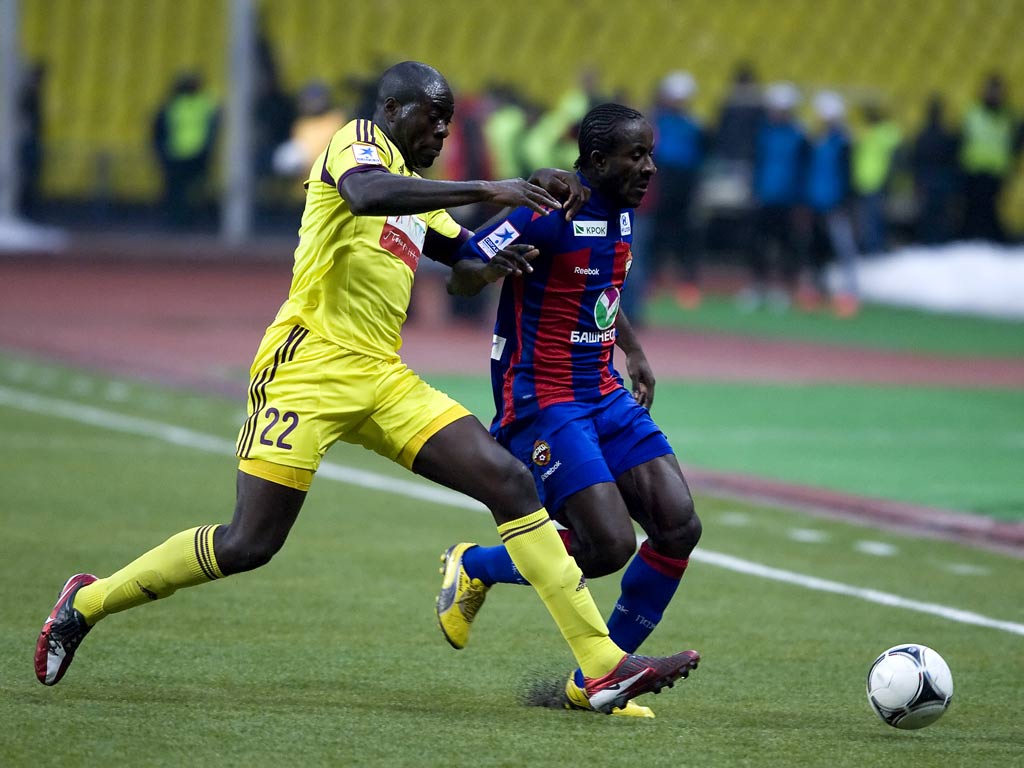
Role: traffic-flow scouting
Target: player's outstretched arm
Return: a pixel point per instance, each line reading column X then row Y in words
column 469, row 276
column 390, row 194
column 639, row 370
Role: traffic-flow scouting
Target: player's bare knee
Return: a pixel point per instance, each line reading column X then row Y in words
column 605, row 557
column 237, row 554
column 694, row 528
column 512, row 480
column 678, row 539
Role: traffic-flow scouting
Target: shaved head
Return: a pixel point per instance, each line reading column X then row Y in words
column 414, row 107
column 408, row 81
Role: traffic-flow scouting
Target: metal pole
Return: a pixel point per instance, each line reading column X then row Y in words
column 10, row 82
column 236, row 199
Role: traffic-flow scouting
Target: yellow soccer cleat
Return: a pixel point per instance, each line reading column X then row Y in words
column 460, row 597
column 576, row 698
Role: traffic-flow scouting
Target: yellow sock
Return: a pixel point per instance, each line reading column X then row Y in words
column 539, row 554
column 184, row 560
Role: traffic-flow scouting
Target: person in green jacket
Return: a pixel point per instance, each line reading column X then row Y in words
column 874, row 154
column 991, row 139
column 183, row 136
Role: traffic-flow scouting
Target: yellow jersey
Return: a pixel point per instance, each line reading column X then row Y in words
column 353, row 275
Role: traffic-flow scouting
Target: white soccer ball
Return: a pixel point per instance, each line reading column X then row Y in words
column 910, row 686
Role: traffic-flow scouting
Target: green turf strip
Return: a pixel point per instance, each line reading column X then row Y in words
column 876, row 327
column 330, row 656
column 951, row 448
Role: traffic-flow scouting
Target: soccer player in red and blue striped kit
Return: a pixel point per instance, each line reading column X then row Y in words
column 598, row 459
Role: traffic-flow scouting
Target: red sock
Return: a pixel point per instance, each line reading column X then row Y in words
column 667, row 566
column 566, row 536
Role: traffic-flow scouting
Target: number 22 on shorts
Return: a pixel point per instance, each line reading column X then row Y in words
column 289, row 420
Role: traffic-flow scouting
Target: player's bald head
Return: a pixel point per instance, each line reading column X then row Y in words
column 414, row 107
column 411, row 80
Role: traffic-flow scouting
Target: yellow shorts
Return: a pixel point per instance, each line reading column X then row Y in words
column 306, row 393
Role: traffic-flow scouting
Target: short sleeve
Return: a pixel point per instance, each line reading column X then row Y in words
column 442, row 223
column 356, row 147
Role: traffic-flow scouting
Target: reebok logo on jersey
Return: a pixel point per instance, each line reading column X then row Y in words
column 589, row 228
column 500, row 238
column 550, row 470
column 366, row 154
column 586, row 271
column 624, row 226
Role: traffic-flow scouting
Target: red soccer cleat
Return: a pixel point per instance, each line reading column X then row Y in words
column 636, row 675
column 62, row 633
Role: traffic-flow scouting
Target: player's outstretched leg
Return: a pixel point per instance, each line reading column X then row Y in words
column 460, row 598
column 264, row 513
column 184, row 560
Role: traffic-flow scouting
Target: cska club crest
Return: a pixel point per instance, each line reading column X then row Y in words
column 541, row 453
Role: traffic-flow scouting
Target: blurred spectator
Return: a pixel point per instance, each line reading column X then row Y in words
column 779, row 160
column 29, row 132
column 317, row 122
column 551, row 141
column 466, row 155
column 635, row 290
column 362, row 95
column 504, row 129
column 990, row 141
column 183, row 135
column 726, row 194
column 274, row 109
column 362, row 89
column 828, row 233
column 933, row 161
column 681, row 145
column 873, row 161
column 740, row 118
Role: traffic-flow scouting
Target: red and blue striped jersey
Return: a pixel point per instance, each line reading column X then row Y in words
column 555, row 329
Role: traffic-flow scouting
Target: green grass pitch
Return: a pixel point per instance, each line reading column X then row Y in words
column 330, row 655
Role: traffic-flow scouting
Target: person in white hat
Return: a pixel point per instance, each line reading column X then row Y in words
column 779, row 160
column 682, row 146
column 828, row 191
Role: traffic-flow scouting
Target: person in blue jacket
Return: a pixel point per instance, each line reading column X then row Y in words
column 828, row 234
column 780, row 156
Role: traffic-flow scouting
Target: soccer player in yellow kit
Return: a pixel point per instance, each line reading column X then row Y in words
column 328, row 369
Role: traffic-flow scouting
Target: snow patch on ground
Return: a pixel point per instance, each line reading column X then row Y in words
column 972, row 278
column 18, row 235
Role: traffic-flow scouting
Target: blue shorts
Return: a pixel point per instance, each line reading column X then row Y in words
column 571, row 446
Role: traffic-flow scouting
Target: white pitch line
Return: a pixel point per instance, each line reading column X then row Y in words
column 837, row 588
column 187, row 438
